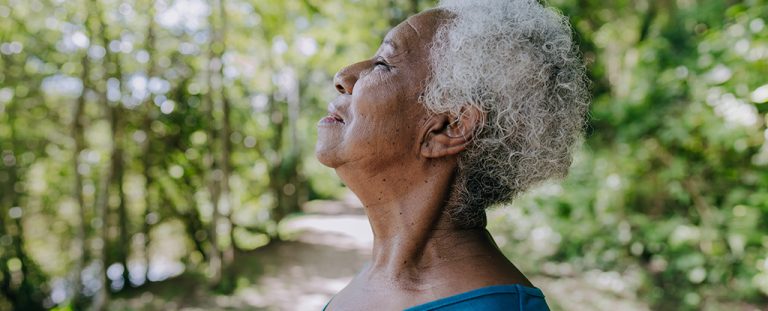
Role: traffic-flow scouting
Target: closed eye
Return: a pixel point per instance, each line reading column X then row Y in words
column 381, row 62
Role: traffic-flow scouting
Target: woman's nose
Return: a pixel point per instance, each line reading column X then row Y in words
column 345, row 79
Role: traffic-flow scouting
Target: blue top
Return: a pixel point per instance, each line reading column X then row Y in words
column 492, row 298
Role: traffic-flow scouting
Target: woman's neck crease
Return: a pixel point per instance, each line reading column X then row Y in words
column 412, row 233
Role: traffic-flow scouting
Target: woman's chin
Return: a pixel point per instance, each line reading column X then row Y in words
column 326, row 156
column 327, row 147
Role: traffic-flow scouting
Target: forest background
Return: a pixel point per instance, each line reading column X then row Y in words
column 127, row 124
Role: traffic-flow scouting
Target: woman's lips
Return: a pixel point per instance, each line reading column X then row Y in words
column 331, row 119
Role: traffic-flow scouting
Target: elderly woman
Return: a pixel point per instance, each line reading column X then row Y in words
column 461, row 108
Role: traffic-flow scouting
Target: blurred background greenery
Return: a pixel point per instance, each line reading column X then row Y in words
column 157, row 154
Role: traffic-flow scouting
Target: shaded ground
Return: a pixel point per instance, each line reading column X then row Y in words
column 329, row 244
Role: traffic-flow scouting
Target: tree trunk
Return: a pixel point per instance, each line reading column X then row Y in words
column 101, row 298
column 220, row 132
column 210, row 161
column 124, row 246
column 146, row 160
column 19, row 287
column 102, row 209
column 226, row 143
column 77, row 191
column 276, row 180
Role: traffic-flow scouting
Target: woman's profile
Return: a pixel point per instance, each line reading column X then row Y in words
column 462, row 107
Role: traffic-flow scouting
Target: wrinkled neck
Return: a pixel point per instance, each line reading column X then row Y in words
column 413, row 235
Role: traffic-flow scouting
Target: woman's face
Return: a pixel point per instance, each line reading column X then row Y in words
column 376, row 120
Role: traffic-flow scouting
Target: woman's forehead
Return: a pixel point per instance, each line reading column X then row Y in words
column 416, row 30
column 401, row 36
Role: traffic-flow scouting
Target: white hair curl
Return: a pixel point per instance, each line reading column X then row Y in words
column 516, row 61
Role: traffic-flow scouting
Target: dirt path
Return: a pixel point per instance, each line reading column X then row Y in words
column 330, row 243
column 344, row 225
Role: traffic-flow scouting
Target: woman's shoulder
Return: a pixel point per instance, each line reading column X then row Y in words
column 491, row 298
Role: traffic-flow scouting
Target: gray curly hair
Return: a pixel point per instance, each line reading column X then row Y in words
column 516, row 61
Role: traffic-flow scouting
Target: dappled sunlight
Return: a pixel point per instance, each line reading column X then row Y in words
column 324, row 253
column 347, row 231
column 295, row 292
column 158, row 155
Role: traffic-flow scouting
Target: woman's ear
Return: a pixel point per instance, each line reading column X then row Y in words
column 449, row 134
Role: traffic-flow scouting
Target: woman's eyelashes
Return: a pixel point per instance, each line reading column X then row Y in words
column 380, row 62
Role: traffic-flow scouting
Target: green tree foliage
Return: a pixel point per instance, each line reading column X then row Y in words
column 673, row 178
column 142, row 132
column 121, row 120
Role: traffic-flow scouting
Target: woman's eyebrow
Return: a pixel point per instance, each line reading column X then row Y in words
column 393, row 48
column 391, row 43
